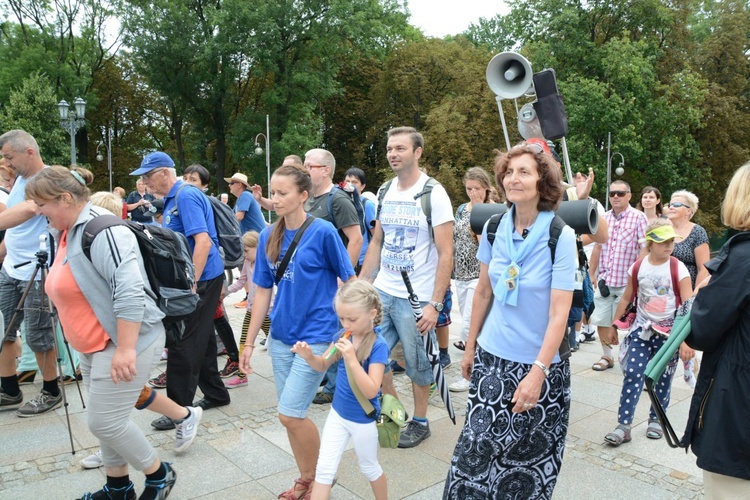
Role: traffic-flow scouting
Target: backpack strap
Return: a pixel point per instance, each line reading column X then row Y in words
column 96, row 226
column 425, row 200
column 636, row 268
column 492, row 224
column 381, row 196
column 674, row 270
column 292, row 247
column 329, row 204
column 555, row 228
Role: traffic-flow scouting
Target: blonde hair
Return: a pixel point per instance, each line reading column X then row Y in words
column 108, row 201
column 658, row 222
column 250, row 239
column 362, row 294
column 690, row 200
column 735, row 209
column 51, row 183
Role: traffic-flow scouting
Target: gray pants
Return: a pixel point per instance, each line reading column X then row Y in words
column 122, row 442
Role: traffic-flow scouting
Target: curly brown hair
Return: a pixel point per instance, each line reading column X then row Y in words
column 549, row 186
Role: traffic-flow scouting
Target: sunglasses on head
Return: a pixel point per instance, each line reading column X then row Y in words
column 534, row 147
column 618, row 194
column 677, row 204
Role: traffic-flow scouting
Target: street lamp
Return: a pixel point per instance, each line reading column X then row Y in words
column 618, row 171
column 99, row 156
column 72, row 121
column 259, row 151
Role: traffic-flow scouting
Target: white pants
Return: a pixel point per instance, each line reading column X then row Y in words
column 336, row 434
column 721, row 487
column 465, row 292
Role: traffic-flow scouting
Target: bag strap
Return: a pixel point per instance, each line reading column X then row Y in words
column 363, row 401
column 674, row 270
column 292, row 247
column 636, row 268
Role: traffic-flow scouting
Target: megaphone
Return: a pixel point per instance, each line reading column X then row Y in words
column 509, row 75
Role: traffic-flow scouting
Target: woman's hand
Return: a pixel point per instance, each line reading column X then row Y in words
column 528, row 390
column 467, row 362
column 123, row 365
column 245, row 366
column 686, row 352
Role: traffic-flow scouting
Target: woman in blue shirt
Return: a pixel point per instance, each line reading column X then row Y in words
column 519, row 397
column 303, row 310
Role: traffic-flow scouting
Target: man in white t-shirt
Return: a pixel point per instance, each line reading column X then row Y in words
column 401, row 241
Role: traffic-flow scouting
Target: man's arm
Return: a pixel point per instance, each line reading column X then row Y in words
column 353, row 248
column 239, row 215
column 258, row 195
column 371, row 264
column 17, row 214
column 444, row 245
column 200, row 253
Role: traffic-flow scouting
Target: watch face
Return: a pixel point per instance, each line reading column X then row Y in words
column 438, row 306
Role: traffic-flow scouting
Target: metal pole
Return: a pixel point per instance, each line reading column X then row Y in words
column 502, row 120
column 268, row 162
column 609, row 171
column 72, row 132
column 109, row 157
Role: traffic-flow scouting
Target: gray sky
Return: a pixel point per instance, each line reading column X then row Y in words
column 439, row 18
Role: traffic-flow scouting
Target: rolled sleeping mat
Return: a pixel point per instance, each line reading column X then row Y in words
column 580, row 215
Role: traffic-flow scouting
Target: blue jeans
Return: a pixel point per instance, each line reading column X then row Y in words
column 399, row 325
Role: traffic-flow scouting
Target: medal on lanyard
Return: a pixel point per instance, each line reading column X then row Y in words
column 513, row 272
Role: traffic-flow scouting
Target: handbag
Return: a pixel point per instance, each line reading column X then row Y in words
column 392, row 414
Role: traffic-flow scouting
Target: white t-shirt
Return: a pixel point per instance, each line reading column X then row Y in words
column 407, row 245
column 656, row 298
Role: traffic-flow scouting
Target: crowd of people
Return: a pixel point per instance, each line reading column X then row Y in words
column 520, row 295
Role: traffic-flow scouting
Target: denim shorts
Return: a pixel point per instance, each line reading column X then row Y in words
column 399, row 325
column 37, row 323
column 296, row 382
column 444, row 316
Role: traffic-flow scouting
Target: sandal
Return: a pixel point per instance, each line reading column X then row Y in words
column 459, row 344
column 620, row 435
column 604, row 363
column 298, row 491
column 654, row 430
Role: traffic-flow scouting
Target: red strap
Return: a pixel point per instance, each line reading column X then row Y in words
column 675, row 272
column 636, row 268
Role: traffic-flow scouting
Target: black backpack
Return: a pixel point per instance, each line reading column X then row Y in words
column 227, row 230
column 356, row 200
column 166, row 257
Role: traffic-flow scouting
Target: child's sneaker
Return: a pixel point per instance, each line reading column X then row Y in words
column 235, row 381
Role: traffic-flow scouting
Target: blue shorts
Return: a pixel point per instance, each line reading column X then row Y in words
column 399, row 325
column 296, row 382
column 444, row 316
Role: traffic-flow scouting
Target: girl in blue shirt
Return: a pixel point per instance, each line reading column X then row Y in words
column 364, row 353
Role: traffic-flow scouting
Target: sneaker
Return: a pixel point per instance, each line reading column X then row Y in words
column 262, row 342
column 414, row 434
column 235, row 382
column 187, row 429
column 127, row 493
column 43, row 403
column 460, row 385
column 164, row 355
column 163, row 486
column 445, row 359
column 26, row 377
column 160, row 381
column 231, row 368
column 241, row 304
column 93, row 461
column 10, row 401
column 323, row 398
column 396, row 368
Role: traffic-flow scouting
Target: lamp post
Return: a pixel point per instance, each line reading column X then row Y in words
column 99, row 156
column 259, row 151
column 72, row 121
column 618, row 171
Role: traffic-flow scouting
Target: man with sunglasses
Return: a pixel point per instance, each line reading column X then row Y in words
column 610, row 263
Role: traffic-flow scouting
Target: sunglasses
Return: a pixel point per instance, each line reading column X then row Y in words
column 618, row 194
column 533, row 147
column 677, row 204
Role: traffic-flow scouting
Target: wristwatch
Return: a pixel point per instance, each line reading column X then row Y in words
column 437, row 305
column 542, row 367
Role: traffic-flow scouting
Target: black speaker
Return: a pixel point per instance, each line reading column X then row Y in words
column 549, row 105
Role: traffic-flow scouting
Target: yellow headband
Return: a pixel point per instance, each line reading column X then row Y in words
column 661, row 234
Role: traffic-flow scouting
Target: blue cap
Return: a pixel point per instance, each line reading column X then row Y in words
column 153, row 161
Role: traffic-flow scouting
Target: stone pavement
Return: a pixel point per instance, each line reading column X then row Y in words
column 242, row 450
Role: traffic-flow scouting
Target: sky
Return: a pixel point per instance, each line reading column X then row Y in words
column 438, row 18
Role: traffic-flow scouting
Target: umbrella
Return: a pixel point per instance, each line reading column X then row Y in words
column 431, row 350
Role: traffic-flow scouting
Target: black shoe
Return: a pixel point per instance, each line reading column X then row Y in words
column 396, row 368
column 207, row 404
column 163, row 424
column 323, row 398
column 107, row 493
column 162, row 486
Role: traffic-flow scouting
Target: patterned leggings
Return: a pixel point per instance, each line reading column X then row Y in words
column 505, row 455
column 243, row 336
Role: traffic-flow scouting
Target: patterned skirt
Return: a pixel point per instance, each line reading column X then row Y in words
column 506, row 455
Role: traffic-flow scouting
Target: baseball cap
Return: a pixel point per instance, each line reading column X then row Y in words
column 152, row 161
column 661, row 234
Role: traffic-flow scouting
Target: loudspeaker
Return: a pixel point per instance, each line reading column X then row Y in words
column 549, row 106
column 509, row 75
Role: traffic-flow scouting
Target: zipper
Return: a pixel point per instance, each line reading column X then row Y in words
column 703, row 404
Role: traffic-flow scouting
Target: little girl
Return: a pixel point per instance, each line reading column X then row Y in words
column 365, row 354
column 250, row 242
column 656, row 306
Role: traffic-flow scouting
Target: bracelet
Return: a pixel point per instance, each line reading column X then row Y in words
column 542, row 367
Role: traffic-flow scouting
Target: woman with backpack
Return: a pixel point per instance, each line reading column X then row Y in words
column 304, row 257
column 109, row 318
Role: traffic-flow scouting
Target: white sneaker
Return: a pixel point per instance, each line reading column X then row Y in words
column 186, row 430
column 93, row 461
column 460, row 385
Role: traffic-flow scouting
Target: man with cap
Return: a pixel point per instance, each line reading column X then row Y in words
column 246, row 210
column 192, row 360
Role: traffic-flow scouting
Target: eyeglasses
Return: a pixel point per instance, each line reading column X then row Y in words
column 618, row 194
column 148, row 175
column 310, row 167
column 677, row 204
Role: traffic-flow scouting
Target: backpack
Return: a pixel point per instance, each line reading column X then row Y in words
column 227, row 230
column 424, row 197
column 166, row 257
column 358, row 203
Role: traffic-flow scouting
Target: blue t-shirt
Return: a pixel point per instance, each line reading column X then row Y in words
column 303, row 308
column 344, row 401
column 194, row 215
column 370, row 210
column 516, row 333
column 22, row 241
column 253, row 220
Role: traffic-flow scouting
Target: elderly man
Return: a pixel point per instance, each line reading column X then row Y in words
column 192, row 360
column 246, row 210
